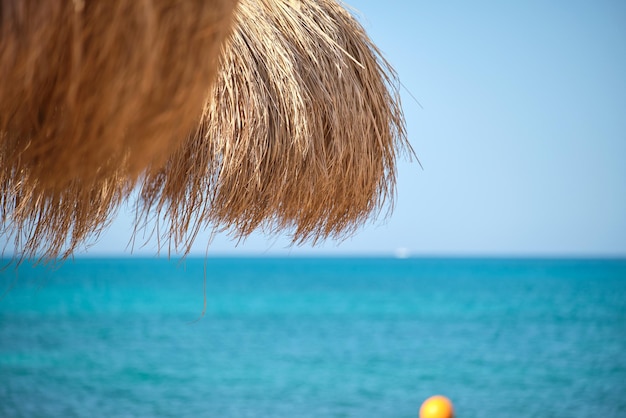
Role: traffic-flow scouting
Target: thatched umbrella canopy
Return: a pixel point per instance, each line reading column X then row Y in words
column 92, row 95
column 300, row 133
column 91, row 88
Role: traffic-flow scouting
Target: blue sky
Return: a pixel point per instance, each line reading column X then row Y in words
column 522, row 134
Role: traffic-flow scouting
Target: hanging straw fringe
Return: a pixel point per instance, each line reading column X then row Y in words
column 92, row 94
column 299, row 134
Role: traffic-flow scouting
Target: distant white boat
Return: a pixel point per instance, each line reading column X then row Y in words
column 402, row 252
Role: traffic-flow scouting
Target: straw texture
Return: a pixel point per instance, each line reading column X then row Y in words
column 93, row 94
column 51, row 225
column 91, row 88
column 299, row 136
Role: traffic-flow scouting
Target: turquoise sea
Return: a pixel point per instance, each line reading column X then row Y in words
column 313, row 337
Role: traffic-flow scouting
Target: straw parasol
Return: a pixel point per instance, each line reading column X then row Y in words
column 299, row 134
column 93, row 94
column 89, row 88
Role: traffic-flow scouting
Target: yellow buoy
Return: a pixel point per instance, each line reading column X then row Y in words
column 437, row 407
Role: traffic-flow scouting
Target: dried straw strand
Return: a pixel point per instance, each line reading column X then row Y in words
column 300, row 134
column 92, row 94
column 88, row 89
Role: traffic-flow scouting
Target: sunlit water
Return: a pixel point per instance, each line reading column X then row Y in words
column 327, row 337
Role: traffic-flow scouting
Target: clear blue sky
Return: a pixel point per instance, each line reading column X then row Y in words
column 522, row 134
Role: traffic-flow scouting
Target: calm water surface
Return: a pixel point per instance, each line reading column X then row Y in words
column 316, row 337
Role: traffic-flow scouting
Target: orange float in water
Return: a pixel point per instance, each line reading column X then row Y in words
column 437, row 407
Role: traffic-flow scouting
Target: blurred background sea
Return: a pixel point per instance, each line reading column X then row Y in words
column 313, row 337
